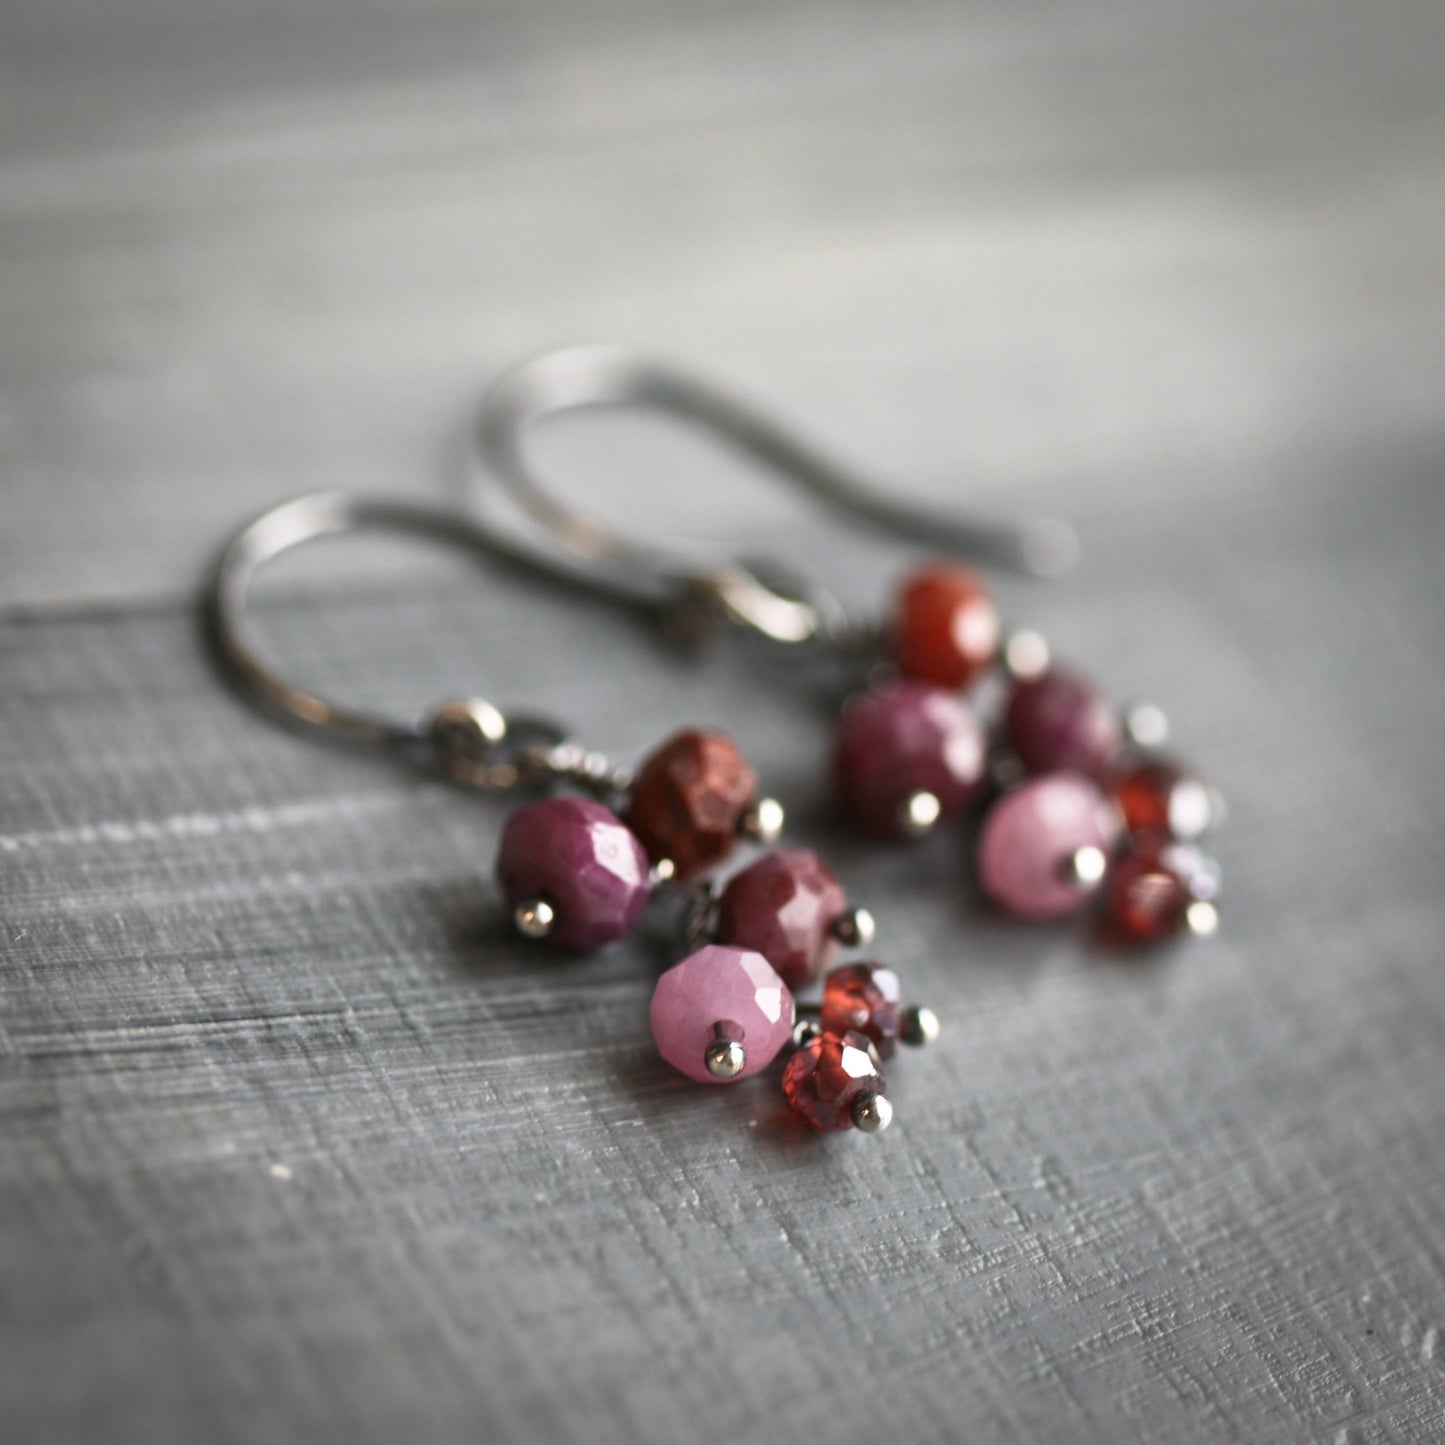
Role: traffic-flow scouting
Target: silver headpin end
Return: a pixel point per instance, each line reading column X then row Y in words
column 872, row 1114
column 1086, row 868
column 1146, row 725
column 919, row 1026
column 763, row 822
column 1026, row 655
column 918, row 814
column 534, row 918
column 805, row 1030
column 854, row 929
column 725, row 1056
column 1201, row 918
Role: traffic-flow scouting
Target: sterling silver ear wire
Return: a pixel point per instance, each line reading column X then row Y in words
column 576, row 873
column 469, row 740
column 766, row 598
column 1079, row 806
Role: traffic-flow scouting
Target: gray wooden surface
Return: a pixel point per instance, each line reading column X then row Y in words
column 294, row 1144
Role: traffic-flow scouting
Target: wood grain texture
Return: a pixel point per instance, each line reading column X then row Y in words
column 295, row 1142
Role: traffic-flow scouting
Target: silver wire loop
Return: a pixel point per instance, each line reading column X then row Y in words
column 745, row 593
column 467, row 739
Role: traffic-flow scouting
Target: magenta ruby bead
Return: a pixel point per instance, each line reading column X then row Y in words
column 784, row 907
column 1058, row 721
column 580, row 858
column 1030, row 837
column 905, row 739
column 734, row 987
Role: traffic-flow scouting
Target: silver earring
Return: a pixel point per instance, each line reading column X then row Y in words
column 1078, row 805
column 578, row 867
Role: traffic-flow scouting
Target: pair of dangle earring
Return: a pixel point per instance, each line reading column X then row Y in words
column 578, row 867
column 1078, row 805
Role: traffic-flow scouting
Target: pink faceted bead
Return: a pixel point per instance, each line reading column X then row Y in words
column 1029, row 838
column 720, row 985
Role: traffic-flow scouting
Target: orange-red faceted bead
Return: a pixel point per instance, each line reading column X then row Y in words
column 688, row 799
column 825, row 1078
column 946, row 627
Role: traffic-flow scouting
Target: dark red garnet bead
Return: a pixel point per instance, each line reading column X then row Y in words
column 864, row 998
column 1160, row 797
column 784, row 906
column 1058, row 722
column 1152, row 887
column 825, row 1078
column 946, row 627
column 688, row 799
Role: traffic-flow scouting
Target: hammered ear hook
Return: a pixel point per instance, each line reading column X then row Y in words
column 608, row 375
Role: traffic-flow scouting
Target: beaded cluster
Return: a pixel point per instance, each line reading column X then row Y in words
column 579, row 873
column 1077, row 808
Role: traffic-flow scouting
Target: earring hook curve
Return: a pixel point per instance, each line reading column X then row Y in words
column 472, row 741
column 605, row 374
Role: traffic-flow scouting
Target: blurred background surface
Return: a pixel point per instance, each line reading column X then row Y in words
column 294, row 1145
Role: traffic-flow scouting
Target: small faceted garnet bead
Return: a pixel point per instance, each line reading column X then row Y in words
column 946, row 626
column 689, row 798
column 1160, row 797
column 1158, row 889
column 905, row 742
column 826, row 1079
column 723, row 996
column 1059, row 721
column 864, row 998
column 581, row 861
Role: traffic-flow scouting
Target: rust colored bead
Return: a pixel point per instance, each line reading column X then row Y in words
column 1152, row 887
column 688, row 799
column 864, row 998
column 1160, row 797
column 825, row 1078
column 946, row 628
